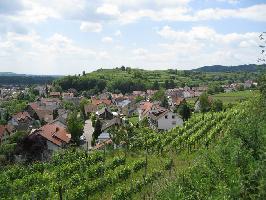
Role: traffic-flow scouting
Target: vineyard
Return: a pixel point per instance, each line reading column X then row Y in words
column 120, row 174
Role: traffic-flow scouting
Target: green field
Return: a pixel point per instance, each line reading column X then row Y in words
column 231, row 97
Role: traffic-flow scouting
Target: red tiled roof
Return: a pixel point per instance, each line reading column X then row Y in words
column 177, row 101
column 146, row 107
column 46, row 114
column 101, row 101
column 101, row 145
column 21, row 116
column 54, row 134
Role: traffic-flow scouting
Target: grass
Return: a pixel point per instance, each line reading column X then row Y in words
column 134, row 120
column 234, row 97
column 230, row 97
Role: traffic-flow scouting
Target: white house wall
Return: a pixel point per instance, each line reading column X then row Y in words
column 169, row 123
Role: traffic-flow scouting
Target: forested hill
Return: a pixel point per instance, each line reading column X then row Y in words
column 126, row 79
column 239, row 68
column 9, row 78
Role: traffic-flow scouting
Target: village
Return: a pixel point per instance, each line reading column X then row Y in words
column 46, row 117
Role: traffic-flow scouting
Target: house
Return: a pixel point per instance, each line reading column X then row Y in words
column 22, row 121
column 151, row 92
column 197, row 93
column 143, row 109
column 176, row 101
column 248, row 84
column 70, row 97
column 40, row 111
column 126, row 107
column 5, row 132
column 61, row 120
column 188, row 94
column 67, row 95
column 55, row 94
column 105, row 95
column 56, row 136
column 100, row 146
column 138, row 93
column 90, row 108
column 42, row 90
column 101, row 102
column 162, row 119
column 103, row 137
column 105, row 114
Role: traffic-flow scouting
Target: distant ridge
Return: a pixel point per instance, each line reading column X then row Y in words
column 15, row 74
column 239, row 68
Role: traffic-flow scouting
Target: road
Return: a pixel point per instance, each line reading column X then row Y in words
column 88, row 131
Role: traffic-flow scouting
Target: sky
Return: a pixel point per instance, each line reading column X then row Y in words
column 70, row 36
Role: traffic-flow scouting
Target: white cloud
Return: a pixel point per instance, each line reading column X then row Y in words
column 108, row 9
column 230, row 1
column 90, row 27
column 181, row 13
column 57, row 54
column 107, row 40
column 118, row 33
column 204, row 46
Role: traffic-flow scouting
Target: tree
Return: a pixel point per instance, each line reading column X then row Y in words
column 156, row 85
column 82, row 104
column 217, row 105
column 17, row 136
column 32, row 147
column 139, row 99
column 97, row 130
column 215, row 88
column 165, row 102
column 204, row 102
column 262, row 84
column 123, row 68
column 184, row 111
column 159, row 95
column 118, row 134
column 166, row 84
column 75, row 127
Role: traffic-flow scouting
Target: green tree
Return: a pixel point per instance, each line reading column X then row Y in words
column 97, row 130
column 17, row 136
column 139, row 99
column 184, row 111
column 159, row 95
column 262, row 84
column 217, row 105
column 156, row 85
column 75, row 127
column 164, row 102
column 204, row 102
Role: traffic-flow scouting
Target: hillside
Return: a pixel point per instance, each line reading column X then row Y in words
column 180, row 164
column 239, row 68
column 10, row 78
column 126, row 80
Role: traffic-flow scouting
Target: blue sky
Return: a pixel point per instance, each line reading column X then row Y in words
column 69, row 36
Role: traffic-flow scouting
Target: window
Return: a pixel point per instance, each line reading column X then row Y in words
column 173, row 117
column 173, row 122
column 166, row 116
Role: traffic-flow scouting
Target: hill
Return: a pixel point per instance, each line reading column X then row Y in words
column 8, row 78
column 239, row 68
column 126, row 80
